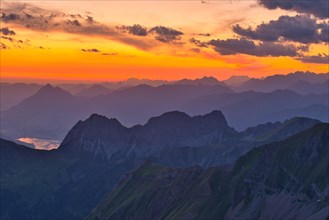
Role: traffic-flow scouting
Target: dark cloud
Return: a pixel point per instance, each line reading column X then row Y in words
column 301, row 28
column 318, row 8
column 198, row 42
column 90, row 19
column 135, row 29
column 9, row 17
column 204, row 34
column 93, row 50
column 3, row 46
column 320, row 58
column 7, row 31
column 73, row 22
column 244, row 46
column 8, row 38
column 166, row 34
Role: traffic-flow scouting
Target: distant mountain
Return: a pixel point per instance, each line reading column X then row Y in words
column 136, row 82
column 94, row 90
column 208, row 81
column 303, row 87
column 287, row 179
column 277, row 131
column 52, row 111
column 317, row 111
column 236, row 80
column 275, row 82
column 247, row 109
column 13, row 93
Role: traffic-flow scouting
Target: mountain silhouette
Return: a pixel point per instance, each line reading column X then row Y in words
column 275, row 82
column 94, row 90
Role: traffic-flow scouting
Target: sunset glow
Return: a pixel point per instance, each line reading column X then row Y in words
column 56, row 48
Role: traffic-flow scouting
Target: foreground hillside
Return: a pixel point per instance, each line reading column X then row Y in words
column 283, row 180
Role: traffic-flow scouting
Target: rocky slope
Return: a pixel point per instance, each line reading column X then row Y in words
column 284, row 180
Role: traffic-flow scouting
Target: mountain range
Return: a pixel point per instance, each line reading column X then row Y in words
column 69, row 182
column 282, row 180
column 51, row 111
column 271, row 83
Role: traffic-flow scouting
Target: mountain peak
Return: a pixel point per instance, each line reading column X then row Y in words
column 49, row 89
column 100, row 119
column 103, row 137
column 97, row 134
column 206, row 80
column 169, row 117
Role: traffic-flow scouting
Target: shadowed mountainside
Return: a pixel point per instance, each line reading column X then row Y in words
column 68, row 182
column 287, row 179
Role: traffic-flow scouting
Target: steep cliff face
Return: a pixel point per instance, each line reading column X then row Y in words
column 174, row 139
column 99, row 136
column 284, row 180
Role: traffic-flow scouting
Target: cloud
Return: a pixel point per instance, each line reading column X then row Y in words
column 165, row 34
column 320, row 58
column 324, row 34
column 3, row 46
column 8, row 38
column 39, row 19
column 245, row 46
column 135, row 29
column 204, row 34
column 318, row 8
column 301, row 28
column 198, row 43
column 9, row 17
column 110, row 54
column 93, row 50
column 7, row 31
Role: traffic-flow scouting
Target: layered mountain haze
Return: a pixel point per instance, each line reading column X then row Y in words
column 51, row 108
column 94, row 90
column 13, row 93
column 271, row 83
column 52, row 111
column 208, row 81
column 251, row 108
column 304, row 87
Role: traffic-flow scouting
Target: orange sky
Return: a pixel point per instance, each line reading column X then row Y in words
column 54, row 53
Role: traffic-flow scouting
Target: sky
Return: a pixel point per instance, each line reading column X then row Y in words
column 116, row 40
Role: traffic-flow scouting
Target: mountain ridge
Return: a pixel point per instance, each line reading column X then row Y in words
column 267, row 182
